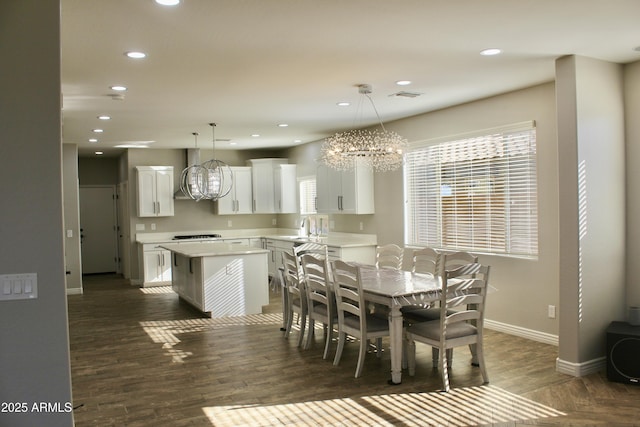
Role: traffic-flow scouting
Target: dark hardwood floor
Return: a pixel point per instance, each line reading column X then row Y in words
column 140, row 357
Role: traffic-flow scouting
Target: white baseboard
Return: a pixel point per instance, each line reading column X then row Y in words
column 74, row 291
column 581, row 369
column 522, row 332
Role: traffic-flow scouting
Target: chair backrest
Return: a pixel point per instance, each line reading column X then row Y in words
column 453, row 260
column 348, row 291
column 291, row 274
column 426, row 260
column 310, row 248
column 316, row 278
column 389, row 256
column 464, row 293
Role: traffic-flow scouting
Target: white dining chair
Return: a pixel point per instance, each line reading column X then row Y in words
column 412, row 314
column 424, row 262
column 389, row 256
column 461, row 322
column 321, row 306
column 353, row 317
column 297, row 297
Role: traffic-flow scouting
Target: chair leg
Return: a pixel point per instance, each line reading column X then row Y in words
column 445, row 370
column 303, row 323
column 483, row 367
column 287, row 328
column 310, row 335
column 411, row 356
column 341, row 338
column 328, row 335
column 435, row 356
column 379, row 347
column 361, row 355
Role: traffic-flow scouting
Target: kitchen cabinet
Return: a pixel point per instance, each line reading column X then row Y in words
column 363, row 254
column 345, row 192
column 156, row 266
column 275, row 248
column 263, row 183
column 155, row 190
column 221, row 279
column 285, row 188
column 240, row 198
column 240, row 241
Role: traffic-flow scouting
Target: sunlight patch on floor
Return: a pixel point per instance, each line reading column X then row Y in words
column 157, row 290
column 166, row 332
column 467, row 406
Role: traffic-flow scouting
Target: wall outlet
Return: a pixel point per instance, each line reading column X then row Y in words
column 139, row 227
column 229, row 223
column 274, row 221
column 552, row 311
column 361, row 226
column 153, row 226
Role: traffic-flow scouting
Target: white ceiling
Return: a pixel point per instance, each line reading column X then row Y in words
column 249, row 65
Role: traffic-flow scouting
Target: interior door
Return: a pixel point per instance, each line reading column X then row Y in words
column 98, row 229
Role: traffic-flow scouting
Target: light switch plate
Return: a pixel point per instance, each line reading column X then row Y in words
column 18, row 286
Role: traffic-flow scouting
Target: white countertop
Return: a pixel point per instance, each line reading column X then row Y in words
column 333, row 239
column 343, row 241
column 207, row 249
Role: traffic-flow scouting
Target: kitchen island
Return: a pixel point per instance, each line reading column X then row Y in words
column 220, row 279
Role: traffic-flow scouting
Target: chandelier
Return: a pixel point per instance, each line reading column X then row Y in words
column 379, row 149
column 210, row 180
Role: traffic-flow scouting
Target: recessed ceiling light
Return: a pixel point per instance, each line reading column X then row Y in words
column 168, row 2
column 255, row 135
column 93, row 140
column 297, row 141
column 343, row 104
column 104, row 117
column 403, row 82
column 490, row 52
column 98, row 130
column 283, row 125
column 232, row 143
column 136, row 55
column 99, row 153
column 118, row 88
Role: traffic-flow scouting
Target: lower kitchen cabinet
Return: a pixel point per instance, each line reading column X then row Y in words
column 157, row 266
column 222, row 285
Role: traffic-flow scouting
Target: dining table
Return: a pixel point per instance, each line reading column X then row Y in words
column 396, row 289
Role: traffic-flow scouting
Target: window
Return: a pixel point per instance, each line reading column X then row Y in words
column 307, row 195
column 476, row 193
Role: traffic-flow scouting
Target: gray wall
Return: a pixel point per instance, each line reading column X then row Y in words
column 72, row 248
column 592, row 207
column 632, row 126
column 34, row 337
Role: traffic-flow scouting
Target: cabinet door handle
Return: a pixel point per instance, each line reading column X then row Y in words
column 254, row 205
column 191, row 265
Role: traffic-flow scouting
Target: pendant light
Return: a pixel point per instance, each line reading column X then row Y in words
column 194, row 177
column 219, row 176
column 379, row 149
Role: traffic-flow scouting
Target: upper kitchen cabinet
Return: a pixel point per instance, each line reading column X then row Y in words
column 285, row 188
column 155, row 190
column 240, row 198
column 264, row 179
column 345, row 192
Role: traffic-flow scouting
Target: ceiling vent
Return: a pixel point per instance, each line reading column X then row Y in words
column 405, row 94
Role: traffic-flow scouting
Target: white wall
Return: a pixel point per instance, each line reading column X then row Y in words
column 34, row 340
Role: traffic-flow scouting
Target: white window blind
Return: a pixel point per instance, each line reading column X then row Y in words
column 307, row 195
column 475, row 193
